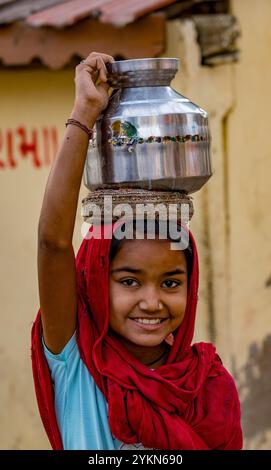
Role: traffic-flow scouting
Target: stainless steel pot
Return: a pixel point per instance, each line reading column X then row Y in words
column 149, row 136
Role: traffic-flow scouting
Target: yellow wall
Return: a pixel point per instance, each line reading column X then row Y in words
column 232, row 221
column 249, row 205
column 32, row 100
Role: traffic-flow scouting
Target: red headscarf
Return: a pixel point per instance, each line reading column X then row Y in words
column 191, row 402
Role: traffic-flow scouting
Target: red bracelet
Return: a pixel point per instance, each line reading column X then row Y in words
column 82, row 126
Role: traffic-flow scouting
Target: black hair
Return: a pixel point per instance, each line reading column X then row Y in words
column 116, row 243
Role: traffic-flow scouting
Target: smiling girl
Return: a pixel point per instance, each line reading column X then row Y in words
column 112, row 359
column 148, row 293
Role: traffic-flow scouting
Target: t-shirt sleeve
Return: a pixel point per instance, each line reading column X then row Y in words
column 58, row 363
column 63, row 368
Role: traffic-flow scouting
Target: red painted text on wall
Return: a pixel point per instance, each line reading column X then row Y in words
column 39, row 146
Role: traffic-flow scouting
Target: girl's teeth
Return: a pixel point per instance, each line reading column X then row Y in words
column 147, row 321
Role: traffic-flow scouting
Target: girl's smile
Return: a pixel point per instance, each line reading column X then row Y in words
column 148, row 292
column 152, row 324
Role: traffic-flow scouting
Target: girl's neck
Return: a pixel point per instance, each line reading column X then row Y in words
column 151, row 357
column 159, row 361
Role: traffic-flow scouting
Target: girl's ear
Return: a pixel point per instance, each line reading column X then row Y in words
column 170, row 339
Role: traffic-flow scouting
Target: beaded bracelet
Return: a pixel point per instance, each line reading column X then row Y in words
column 82, row 126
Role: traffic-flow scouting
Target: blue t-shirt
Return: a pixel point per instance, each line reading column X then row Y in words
column 81, row 408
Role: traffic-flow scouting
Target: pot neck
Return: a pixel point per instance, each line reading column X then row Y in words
column 141, row 78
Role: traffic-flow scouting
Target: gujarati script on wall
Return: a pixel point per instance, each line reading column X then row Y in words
column 37, row 145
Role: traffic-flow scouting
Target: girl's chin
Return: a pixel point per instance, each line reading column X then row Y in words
column 149, row 339
column 145, row 342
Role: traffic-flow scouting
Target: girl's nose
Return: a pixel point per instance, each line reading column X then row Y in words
column 151, row 303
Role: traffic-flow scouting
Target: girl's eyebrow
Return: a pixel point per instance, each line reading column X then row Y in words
column 139, row 271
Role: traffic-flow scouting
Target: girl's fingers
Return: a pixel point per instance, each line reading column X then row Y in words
column 106, row 58
column 98, row 61
column 94, row 74
column 102, row 69
column 96, row 66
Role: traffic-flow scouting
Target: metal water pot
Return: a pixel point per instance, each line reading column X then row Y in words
column 149, row 136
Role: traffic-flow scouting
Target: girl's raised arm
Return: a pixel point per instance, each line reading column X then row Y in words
column 56, row 259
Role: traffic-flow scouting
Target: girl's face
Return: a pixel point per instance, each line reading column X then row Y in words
column 148, row 291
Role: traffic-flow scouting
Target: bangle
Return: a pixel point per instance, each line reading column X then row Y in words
column 82, row 126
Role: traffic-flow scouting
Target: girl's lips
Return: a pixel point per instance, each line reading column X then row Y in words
column 150, row 326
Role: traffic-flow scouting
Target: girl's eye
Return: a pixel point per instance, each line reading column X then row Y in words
column 128, row 282
column 170, row 283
